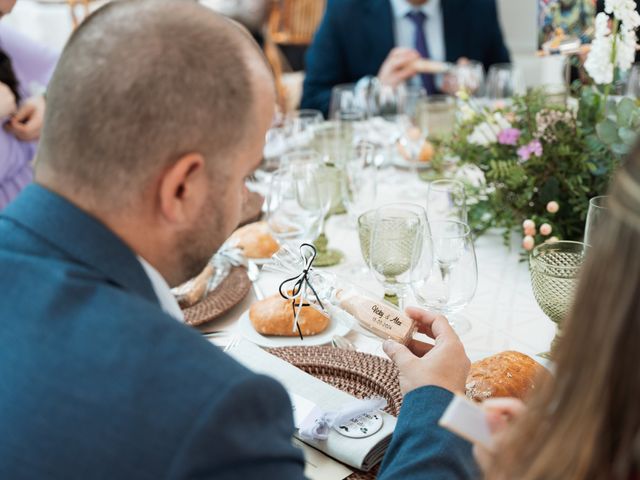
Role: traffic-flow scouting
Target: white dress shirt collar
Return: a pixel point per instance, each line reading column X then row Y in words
column 162, row 291
column 402, row 7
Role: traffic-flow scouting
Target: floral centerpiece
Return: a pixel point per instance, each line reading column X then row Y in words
column 534, row 165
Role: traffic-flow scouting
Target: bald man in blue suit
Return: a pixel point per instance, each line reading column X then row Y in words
column 358, row 38
column 149, row 136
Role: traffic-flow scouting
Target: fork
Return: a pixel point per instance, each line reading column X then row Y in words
column 235, row 341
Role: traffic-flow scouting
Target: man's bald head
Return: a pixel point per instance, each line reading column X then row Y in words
column 141, row 83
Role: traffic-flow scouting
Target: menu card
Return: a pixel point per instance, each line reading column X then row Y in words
column 361, row 453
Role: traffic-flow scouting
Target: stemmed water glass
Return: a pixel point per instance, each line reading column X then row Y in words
column 448, row 277
column 554, row 277
column 598, row 210
column 398, row 234
column 315, row 186
column 446, row 200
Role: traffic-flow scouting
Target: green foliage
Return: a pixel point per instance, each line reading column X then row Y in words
column 581, row 147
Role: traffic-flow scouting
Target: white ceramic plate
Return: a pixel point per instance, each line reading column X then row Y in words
column 245, row 328
column 398, row 161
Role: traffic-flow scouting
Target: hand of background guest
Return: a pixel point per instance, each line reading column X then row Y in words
column 444, row 364
column 501, row 412
column 398, row 66
column 7, row 101
column 26, row 124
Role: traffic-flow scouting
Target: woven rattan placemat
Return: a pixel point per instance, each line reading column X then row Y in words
column 228, row 294
column 359, row 374
column 251, row 208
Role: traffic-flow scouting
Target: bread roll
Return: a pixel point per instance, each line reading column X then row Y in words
column 506, row 374
column 274, row 316
column 255, row 240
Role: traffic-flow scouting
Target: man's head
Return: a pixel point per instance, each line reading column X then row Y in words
column 156, row 113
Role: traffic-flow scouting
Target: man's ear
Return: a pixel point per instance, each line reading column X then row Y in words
column 183, row 188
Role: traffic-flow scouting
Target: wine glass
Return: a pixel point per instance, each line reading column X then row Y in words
column 467, row 77
column 598, row 209
column 396, row 246
column 446, row 200
column 332, row 141
column 300, row 125
column 554, row 277
column 346, row 98
column 315, row 185
column 503, row 82
column 288, row 220
column 449, row 282
column 360, row 179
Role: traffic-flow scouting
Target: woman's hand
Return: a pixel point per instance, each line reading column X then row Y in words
column 7, row 101
column 501, row 412
column 26, row 124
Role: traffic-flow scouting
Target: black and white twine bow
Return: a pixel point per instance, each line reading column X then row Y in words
column 300, row 284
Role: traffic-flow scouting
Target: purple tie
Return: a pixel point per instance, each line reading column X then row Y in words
column 418, row 17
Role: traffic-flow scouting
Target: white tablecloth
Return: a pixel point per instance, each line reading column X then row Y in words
column 503, row 313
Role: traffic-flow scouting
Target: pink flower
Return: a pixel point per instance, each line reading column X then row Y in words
column 509, row 136
column 524, row 153
column 534, row 147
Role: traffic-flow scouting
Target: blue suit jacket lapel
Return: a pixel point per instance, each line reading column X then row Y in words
column 80, row 236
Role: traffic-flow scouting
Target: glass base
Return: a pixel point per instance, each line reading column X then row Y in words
column 392, row 298
column 550, row 355
column 328, row 258
column 460, row 325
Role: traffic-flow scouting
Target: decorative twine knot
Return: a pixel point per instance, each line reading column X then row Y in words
column 300, row 284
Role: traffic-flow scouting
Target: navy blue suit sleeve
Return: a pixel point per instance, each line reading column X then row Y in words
column 420, row 448
column 246, row 433
column 325, row 63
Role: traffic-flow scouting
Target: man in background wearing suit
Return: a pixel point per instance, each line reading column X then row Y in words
column 158, row 111
column 384, row 37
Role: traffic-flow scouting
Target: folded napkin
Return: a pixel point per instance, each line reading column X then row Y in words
column 361, row 453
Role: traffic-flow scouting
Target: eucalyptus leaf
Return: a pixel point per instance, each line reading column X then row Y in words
column 625, row 111
column 620, row 148
column 627, row 135
column 608, row 131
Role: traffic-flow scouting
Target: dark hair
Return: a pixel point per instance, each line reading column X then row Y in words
column 8, row 74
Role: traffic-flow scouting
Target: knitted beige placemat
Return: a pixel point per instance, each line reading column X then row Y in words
column 229, row 293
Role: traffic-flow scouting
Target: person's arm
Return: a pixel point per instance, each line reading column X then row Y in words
column 246, row 433
column 422, row 449
column 428, row 376
column 325, row 63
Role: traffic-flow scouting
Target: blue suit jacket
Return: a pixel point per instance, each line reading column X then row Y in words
column 97, row 382
column 356, row 36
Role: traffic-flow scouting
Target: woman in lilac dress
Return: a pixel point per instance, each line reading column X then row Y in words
column 25, row 69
